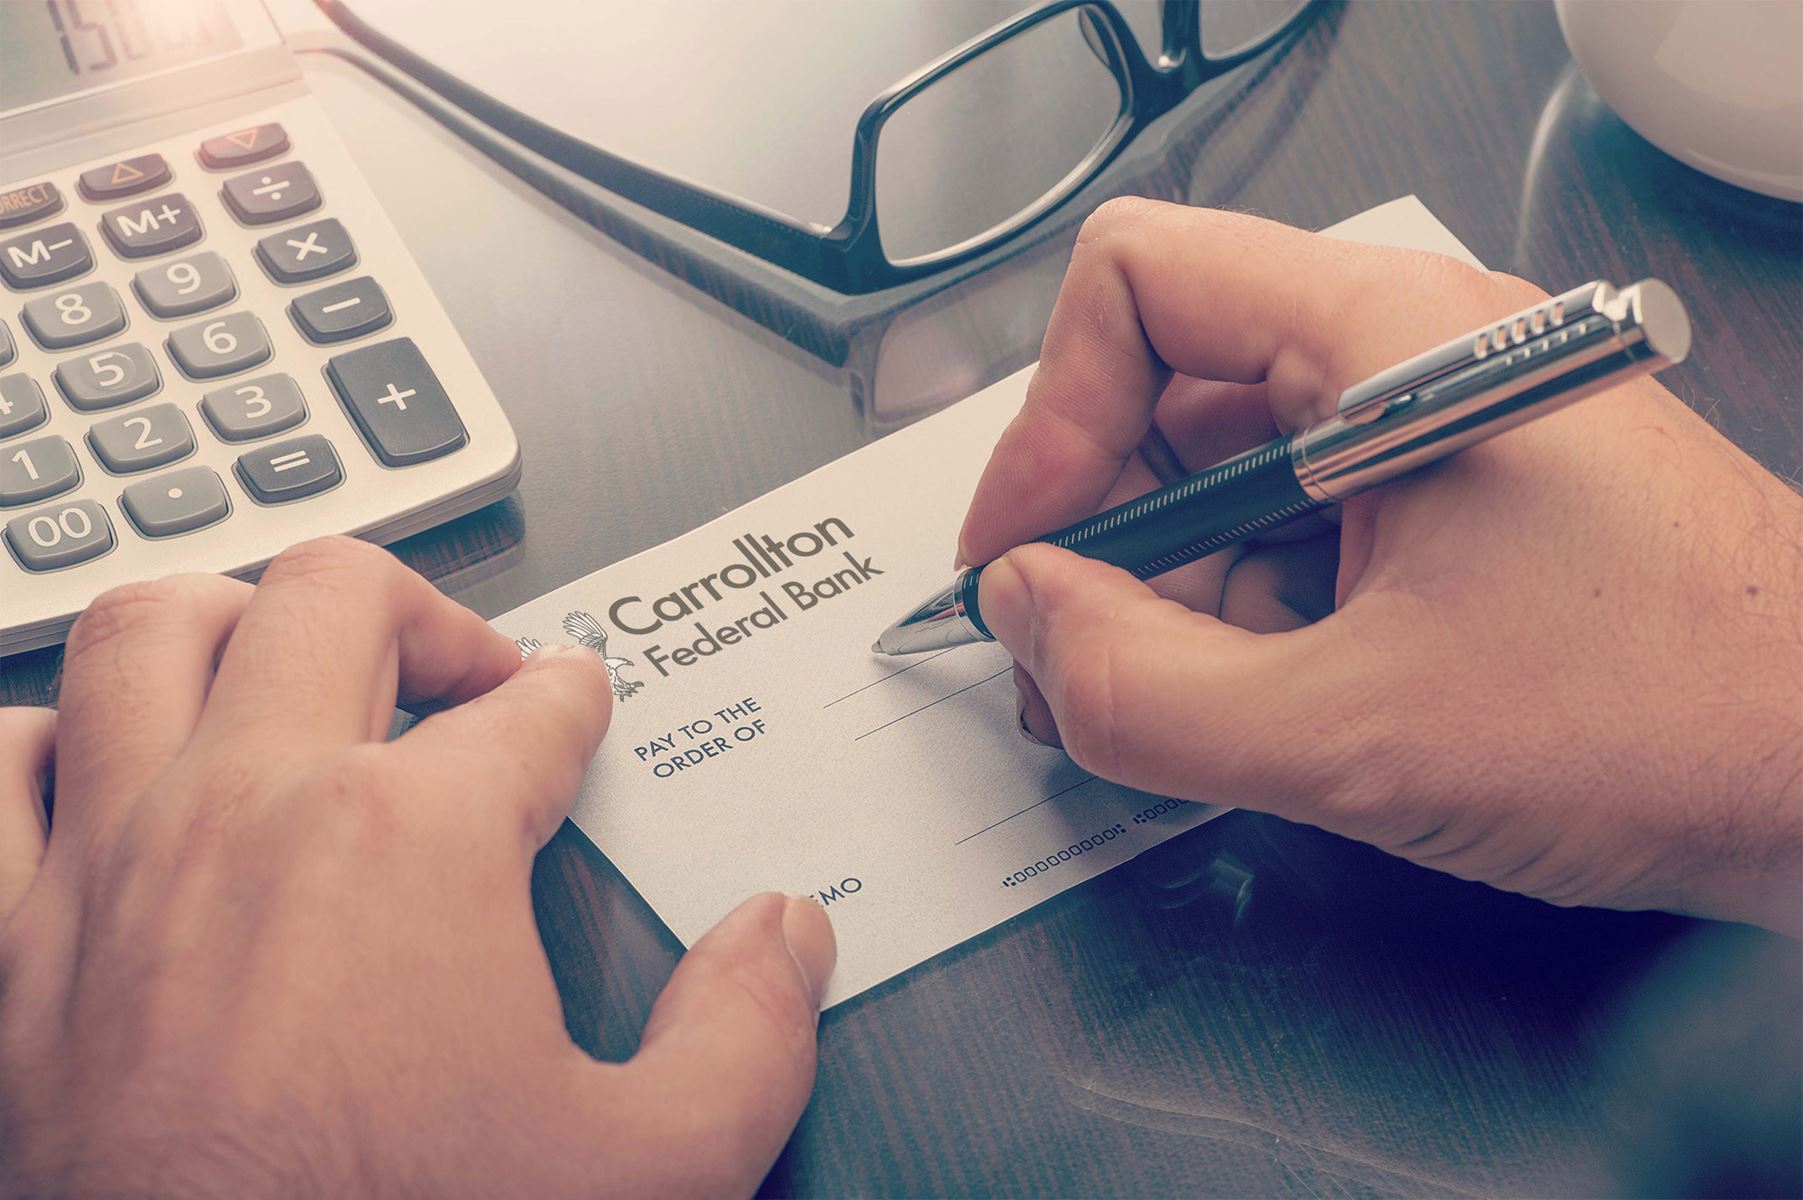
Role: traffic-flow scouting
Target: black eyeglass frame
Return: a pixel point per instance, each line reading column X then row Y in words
column 849, row 258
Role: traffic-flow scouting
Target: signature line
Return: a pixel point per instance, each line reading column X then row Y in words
column 891, row 675
column 941, row 700
column 1073, row 787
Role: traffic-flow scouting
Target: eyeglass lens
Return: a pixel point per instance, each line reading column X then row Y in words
column 991, row 139
column 1230, row 27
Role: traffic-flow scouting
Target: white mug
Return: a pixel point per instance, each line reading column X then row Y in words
column 1717, row 84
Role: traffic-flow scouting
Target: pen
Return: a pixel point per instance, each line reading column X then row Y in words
column 1417, row 412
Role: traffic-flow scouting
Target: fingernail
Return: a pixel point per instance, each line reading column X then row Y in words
column 1020, row 710
column 809, row 936
column 556, row 650
column 1007, row 605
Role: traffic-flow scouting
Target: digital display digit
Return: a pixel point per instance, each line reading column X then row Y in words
column 54, row 48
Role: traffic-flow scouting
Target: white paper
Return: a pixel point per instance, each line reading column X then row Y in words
column 758, row 745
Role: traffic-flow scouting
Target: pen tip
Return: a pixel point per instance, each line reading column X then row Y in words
column 876, row 647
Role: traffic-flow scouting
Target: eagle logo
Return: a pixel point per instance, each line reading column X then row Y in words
column 591, row 633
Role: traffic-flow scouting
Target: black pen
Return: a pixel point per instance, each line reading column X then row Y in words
column 1435, row 404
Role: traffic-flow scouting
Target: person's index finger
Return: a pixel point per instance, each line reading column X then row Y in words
column 336, row 631
column 1088, row 405
column 1152, row 288
column 524, row 744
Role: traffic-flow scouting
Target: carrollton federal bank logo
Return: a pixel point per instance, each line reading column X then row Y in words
column 693, row 629
column 591, row 633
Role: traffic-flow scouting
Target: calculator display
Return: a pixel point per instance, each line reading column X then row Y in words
column 55, row 48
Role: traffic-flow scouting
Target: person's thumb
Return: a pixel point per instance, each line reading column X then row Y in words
column 1151, row 694
column 727, row 1059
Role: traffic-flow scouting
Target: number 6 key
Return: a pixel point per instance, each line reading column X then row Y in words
column 221, row 346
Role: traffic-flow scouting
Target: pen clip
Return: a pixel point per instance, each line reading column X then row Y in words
column 1371, row 398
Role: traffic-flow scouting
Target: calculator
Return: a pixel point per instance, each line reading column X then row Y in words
column 213, row 343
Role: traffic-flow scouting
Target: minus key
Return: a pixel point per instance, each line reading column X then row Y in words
column 341, row 312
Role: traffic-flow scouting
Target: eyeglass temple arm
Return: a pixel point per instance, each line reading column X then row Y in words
column 763, row 233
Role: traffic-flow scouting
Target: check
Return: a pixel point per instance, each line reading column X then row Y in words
column 757, row 744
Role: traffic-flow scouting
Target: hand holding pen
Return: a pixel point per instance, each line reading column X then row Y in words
column 1484, row 658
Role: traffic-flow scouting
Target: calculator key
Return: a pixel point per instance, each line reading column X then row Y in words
column 290, row 470
column 179, row 502
column 341, row 312
column 60, row 536
column 44, row 256
column 150, row 437
column 307, row 252
column 36, row 470
column 396, row 402
column 243, row 146
column 271, row 194
column 255, row 408
column 29, row 203
column 7, row 350
column 186, row 286
column 154, row 226
column 75, row 317
column 22, row 404
column 127, row 177
column 219, row 346
column 108, row 378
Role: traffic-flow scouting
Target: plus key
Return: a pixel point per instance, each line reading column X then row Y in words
column 396, row 403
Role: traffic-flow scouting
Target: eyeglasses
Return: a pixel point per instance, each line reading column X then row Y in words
column 938, row 175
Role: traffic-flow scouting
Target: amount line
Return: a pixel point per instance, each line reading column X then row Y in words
column 891, row 675
column 941, row 700
column 1073, row 787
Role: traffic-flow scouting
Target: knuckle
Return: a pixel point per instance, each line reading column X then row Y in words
column 775, row 997
column 1086, row 714
column 331, row 558
column 124, row 611
column 358, row 799
column 1112, row 217
column 1520, row 292
column 360, row 779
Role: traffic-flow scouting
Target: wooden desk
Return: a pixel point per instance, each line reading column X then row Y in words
column 1256, row 1008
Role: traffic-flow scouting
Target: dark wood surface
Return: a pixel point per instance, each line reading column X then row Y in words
column 1254, row 1008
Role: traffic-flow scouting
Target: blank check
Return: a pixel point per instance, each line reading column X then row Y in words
column 757, row 744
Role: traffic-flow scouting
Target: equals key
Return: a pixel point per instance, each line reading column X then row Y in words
column 290, row 470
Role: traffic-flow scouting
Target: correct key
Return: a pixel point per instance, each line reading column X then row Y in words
column 396, row 402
